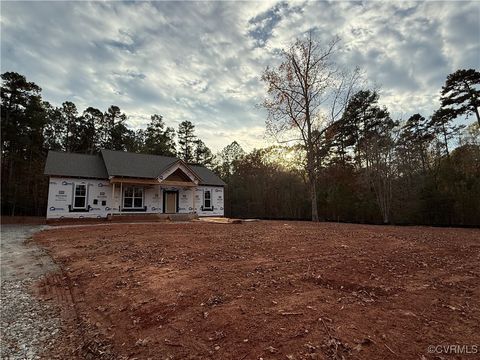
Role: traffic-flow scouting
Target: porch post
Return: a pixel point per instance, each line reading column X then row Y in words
column 121, row 197
column 193, row 199
column 114, row 203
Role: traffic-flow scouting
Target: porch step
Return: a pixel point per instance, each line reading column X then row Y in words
column 151, row 217
column 137, row 217
column 182, row 217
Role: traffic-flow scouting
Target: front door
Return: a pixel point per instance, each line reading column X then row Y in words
column 170, row 202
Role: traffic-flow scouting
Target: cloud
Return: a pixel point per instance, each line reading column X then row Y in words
column 262, row 25
column 203, row 61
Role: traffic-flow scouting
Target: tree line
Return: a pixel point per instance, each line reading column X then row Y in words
column 396, row 180
column 353, row 163
column 360, row 163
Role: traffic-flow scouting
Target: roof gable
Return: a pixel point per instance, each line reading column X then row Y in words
column 178, row 175
column 184, row 168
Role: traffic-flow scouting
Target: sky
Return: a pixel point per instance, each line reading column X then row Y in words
column 202, row 61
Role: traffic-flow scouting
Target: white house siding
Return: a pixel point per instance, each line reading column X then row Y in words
column 217, row 197
column 60, row 196
column 185, row 204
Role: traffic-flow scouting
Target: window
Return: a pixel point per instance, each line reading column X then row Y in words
column 133, row 197
column 80, row 197
column 207, row 200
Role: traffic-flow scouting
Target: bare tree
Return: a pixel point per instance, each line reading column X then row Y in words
column 307, row 93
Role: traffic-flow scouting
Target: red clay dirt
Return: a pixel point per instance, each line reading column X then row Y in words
column 271, row 290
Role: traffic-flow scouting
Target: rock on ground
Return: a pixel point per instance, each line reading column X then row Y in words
column 28, row 325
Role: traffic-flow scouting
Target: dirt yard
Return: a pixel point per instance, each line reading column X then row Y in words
column 271, row 290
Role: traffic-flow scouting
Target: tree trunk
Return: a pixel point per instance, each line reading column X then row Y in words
column 446, row 140
column 472, row 95
column 313, row 198
column 386, row 220
column 477, row 114
column 386, row 200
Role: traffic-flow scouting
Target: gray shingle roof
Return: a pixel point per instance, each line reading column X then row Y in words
column 208, row 176
column 119, row 163
column 77, row 165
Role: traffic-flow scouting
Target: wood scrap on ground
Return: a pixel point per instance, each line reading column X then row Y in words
column 220, row 220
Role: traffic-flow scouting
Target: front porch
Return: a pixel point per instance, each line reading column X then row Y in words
column 175, row 191
column 144, row 196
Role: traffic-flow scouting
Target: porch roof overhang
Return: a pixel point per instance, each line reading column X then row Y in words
column 178, row 183
column 139, row 181
column 143, row 181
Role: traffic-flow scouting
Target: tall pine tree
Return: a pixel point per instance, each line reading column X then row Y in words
column 23, row 124
column 159, row 140
column 114, row 132
column 186, row 141
column 203, row 155
column 461, row 93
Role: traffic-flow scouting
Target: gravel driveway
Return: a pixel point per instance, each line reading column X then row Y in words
column 28, row 325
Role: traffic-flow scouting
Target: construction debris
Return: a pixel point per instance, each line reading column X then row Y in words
column 220, row 220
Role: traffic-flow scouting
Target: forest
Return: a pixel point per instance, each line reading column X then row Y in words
column 365, row 166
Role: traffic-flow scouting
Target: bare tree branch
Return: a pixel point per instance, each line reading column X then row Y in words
column 302, row 91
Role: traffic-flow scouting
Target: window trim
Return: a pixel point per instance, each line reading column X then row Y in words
column 205, row 207
column 133, row 197
column 80, row 196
